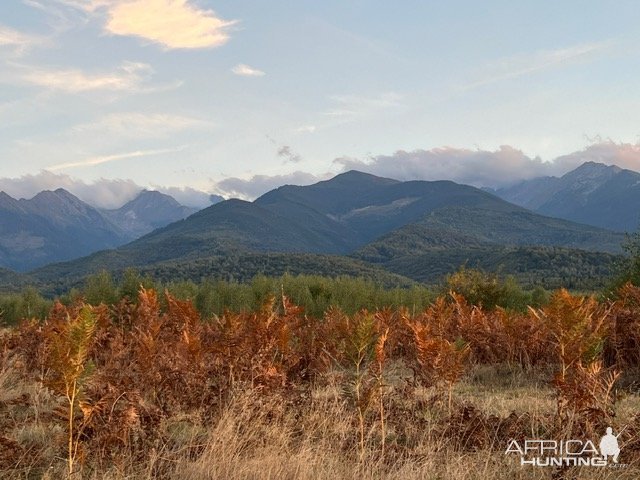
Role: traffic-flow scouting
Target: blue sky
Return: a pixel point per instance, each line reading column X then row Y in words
column 236, row 97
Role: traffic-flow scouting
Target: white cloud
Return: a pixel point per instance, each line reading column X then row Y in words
column 528, row 63
column 257, row 185
column 174, row 24
column 171, row 23
column 134, row 125
column 502, row 167
column 130, row 76
column 247, row 71
column 624, row 155
column 482, row 168
column 102, row 193
column 93, row 161
column 186, row 195
column 476, row 167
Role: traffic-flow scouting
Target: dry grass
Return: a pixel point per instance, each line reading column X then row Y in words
column 277, row 395
column 275, row 436
column 502, row 389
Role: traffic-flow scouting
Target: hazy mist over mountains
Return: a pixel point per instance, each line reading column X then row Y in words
column 104, row 193
column 56, row 225
column 354, row 222
column 496, row 169
column 596, row 194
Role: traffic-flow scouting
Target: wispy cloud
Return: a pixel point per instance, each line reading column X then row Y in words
column 528, row 63
column 351, row 106
column 247, row 71
column 59, row 17
column 306, row 129
column 85, row 5
column 130, row 76
column 16, row 42
column 93, row 161
column 135, row 125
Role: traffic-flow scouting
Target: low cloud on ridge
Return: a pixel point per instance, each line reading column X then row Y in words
column 102, row 193
column 481, row 168
column 257, row 185
column 502, row 167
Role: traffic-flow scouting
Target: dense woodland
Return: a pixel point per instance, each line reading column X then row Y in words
column 348, row 288
column 312, row 292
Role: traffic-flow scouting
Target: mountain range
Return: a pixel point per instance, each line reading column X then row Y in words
column 55, row 226
column 148, row 211
column 594, row 193
column 353, row 223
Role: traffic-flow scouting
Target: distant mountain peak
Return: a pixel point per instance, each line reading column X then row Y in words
column 58, row 193
column 45, row 194
column 52, row 226
column 149, row 210
column 213, row 198
column 7, row 201
column 357, row 175
column 5, row 196
column 59, row 197
column 152, row 193
column 588, row 177
column 595, row 168
column 151, row 199
column 594, row 193
column 592, row 163
column 354, row 173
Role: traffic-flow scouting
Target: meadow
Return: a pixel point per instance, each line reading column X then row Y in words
column 152, row 385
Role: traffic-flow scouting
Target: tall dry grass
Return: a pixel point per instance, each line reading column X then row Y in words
column 162, row 393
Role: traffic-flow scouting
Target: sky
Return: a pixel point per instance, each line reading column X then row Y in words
column 192, row 97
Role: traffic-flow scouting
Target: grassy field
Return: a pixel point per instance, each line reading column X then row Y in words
column 150, row 389
column 258, row 436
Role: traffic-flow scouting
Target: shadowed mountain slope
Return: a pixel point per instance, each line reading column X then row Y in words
column 594, row 194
